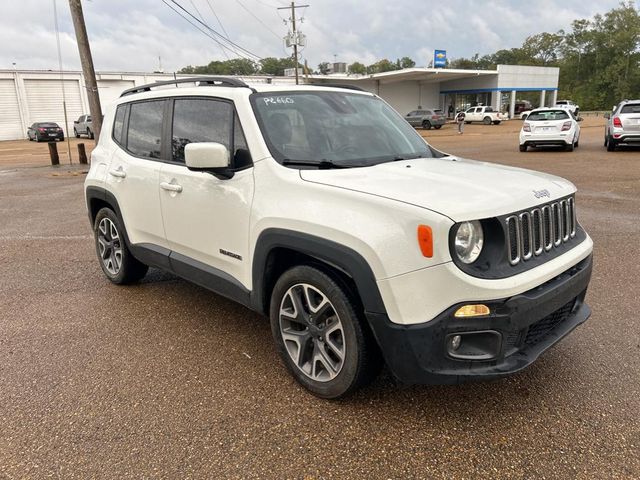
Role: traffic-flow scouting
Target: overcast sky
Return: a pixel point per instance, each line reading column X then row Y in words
column 129, row 35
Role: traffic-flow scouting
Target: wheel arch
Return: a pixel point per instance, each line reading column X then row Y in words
column 277, row 250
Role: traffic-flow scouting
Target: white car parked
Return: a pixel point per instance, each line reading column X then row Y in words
column 323, row 209
column 550, row 126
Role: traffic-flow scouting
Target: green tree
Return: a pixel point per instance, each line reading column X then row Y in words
column 357, row 68
column 323, row 68
column 406, row 62
column 276, row 66
column 380, row 66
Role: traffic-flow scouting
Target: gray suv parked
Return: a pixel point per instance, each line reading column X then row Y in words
column 426, row 118
column 83, row 126
column 623, row 125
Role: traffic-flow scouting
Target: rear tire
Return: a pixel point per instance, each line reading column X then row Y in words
column 437, row 127
column 496, row 122
column 116, row 261
column 319, row 335
column 611, row 145
column 523, row 148
column 486, row 120
column 426, row 125
column 570, row 147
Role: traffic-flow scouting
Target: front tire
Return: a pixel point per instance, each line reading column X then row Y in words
column 116, row 261
column 75, row 132
column 90, row 134
column 319, row 335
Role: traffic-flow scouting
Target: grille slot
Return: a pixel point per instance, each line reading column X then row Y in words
column 539, row 230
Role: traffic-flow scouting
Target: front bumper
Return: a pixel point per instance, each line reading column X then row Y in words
column 523, row 325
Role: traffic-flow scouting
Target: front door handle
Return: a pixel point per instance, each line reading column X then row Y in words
column 119, row 172
column 171, row 187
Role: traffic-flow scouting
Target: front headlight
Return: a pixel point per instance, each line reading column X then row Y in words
column 468, row 241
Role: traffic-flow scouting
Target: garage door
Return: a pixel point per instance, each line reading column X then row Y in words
column 44, row 99
column 10, row 123
column 110, row 90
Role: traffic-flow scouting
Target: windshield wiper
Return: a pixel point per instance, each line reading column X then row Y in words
column 321, row 164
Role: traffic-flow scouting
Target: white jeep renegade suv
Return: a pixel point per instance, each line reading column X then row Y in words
column 322, row 208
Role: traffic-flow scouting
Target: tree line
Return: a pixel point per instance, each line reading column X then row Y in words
column 599, row 59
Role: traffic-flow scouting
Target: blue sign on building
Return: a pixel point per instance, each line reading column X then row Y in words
column 440, row 58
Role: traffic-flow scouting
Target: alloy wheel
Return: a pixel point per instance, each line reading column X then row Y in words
column 312, row 332
column 109, row 246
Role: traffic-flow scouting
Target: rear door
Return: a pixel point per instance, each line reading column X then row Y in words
column 207, row 220
column 134, row 172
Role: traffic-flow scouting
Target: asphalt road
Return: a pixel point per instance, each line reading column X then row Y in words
column 166, row 380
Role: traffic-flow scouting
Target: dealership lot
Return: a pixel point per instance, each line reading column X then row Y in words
column 165, row 379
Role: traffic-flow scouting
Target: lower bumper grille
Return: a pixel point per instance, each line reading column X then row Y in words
column 539, row 330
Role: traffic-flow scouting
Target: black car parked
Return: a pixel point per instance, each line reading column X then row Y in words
column 45, row 131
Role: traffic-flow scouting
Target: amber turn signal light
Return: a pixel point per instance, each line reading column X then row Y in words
column 425, row 240
column 478, row 310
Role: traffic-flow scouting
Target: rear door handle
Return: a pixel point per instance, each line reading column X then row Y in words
column 171, row 187
column 119, row 172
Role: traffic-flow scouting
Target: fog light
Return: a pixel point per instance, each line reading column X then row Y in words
column 454, row 342
column 472, row 311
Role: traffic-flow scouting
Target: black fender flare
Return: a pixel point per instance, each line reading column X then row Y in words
column 334, row 254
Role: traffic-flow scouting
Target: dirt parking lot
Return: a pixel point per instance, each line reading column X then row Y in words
column 166, row 380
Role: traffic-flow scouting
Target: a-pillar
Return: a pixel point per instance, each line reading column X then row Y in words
column 512, row 105
column 554, row 97
column 543, row 95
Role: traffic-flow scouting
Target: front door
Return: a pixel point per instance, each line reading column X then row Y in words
column 206, row 218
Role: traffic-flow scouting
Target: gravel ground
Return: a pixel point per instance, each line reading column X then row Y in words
column 164, row 379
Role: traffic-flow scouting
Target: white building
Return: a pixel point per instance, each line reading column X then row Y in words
column 28, row 96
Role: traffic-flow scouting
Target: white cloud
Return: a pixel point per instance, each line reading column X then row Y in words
column 129, row 35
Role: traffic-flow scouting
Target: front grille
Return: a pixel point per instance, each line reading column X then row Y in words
column 539, row 230
column 539, row 330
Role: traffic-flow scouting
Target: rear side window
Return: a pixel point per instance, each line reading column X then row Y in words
column 118, row 123
column 630, row 108
column 145, row 129
column 200, row 120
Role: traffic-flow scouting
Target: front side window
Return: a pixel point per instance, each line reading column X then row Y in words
column 343, row 128
column 200, row 120
column 145, row 128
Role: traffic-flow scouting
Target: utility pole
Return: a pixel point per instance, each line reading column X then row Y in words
column 296, row 38
column 87, row 67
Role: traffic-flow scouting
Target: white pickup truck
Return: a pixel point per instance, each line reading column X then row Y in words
column 486, row 115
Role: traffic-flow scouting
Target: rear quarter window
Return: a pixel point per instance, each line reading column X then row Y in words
column 118, row 123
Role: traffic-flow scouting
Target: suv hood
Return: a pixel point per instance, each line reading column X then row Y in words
column 459, row 188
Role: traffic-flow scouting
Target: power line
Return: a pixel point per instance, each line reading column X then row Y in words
column 214, row 32
column 224, row 52
column 196, row 26
column 259, row 20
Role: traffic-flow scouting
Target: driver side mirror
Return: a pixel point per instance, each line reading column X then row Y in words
column 210, row 157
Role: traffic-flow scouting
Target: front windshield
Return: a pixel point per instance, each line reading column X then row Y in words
column 343, row 128
column 548, row 115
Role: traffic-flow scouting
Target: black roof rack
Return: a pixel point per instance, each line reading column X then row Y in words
column 199, row 81
column 339, row 85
